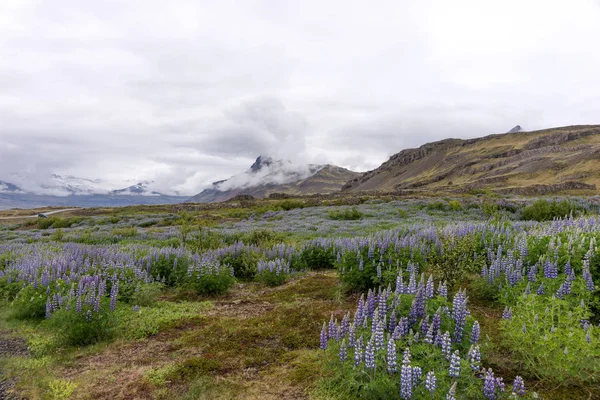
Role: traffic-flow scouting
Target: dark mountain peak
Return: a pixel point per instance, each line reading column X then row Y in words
column 8, row 187
column 261, row 162
column 516, row 129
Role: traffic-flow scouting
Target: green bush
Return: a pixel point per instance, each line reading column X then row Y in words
column 9, row 291
column 171, row 268
column 455, row 205
column 456, row 259
column 314, row 256
column 272, row 278
column 546, row 337
column 288, row 205
column 211, row 283
column 544, row 210
column 146, row 294
column 348, row 214
column 30, row 303
column 82, row 328
column 244, row 263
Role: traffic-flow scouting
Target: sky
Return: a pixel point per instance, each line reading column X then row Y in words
column 184, row 93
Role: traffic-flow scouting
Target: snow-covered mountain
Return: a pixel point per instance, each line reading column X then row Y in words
column 268, row 175
column 70, row 190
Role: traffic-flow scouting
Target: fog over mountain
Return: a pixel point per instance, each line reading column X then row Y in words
column 193, row 92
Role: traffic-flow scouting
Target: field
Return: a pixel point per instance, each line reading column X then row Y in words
column 306, row 298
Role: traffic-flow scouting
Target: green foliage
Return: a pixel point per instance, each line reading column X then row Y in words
column 455, row 205
column 171, row 268
column 314, row 256
column 57, row 223
column 82, row 329
column 272, row 278
column 211, row 283
column 290, row 204
column 457, row 258
column 61, row 390
column 125, row 232
column 146, row 294
column 544, row 210
column 206, row 240
column 9, row 291
column 545, row 336
column 346, row 214
column 149, row 321
column 244, row 263
column 264, row 238
column 30, row 303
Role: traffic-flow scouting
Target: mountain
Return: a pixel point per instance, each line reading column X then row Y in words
column 529, row 163
column 6, row 187
column 140, row 189
column 81, row 192
column 267, row 176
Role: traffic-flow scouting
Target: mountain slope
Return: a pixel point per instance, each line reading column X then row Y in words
column 267, row 176
column 539, row 162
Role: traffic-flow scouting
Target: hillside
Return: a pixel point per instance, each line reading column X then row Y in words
column 539, row 162
column 322, row 179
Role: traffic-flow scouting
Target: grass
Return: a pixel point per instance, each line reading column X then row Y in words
column 255, row 343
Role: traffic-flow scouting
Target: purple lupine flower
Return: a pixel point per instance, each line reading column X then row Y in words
column 345, row 325
column 454, row 370
column 507, row 314
column 135, row 308
column 524, row 330
column 446, row 345
column 519, row 386
column 429, row 335
column 438, row 339
column 416, row 373
column 437, row 320
column 370, row 354
column 474, row 357
column 406, row 357
column 430, row 382
column 114, row 291
column 489, row 385
column 541, row 290
column 351, row 335
column 588, row 338
column 88, row 316
column 379, row 335
column 332, row 330
column 475, row 332
column 371, row 303
column 324, row 337
column 392, row 364
column 343, row 351
column 500, row 384
column 429, row 288
column 382, row 302
column 393, row 320
column 424, row 325
column 358, row 351
column 406, row 383
column 443, row 290
column 459, row 315
column 48, row 308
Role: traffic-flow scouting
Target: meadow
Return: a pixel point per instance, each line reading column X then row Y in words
column 366, row 298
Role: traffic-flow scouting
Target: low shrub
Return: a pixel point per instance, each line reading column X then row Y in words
column 545, row 334
column 273, row 273
column 85, row 327
column 544, row 210
column 347, row 214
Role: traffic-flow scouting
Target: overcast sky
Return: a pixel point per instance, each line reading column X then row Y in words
column 189, row 92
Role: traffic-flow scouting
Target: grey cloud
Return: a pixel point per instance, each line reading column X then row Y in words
column 192, row 93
